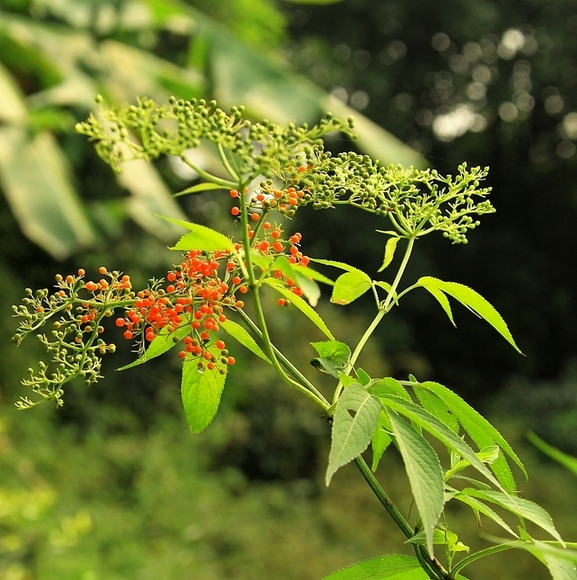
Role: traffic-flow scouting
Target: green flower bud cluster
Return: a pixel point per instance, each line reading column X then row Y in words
column 147, row 130
column 416, row 201
column 77, row 310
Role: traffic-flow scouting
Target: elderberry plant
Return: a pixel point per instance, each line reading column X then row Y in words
column 200, row 302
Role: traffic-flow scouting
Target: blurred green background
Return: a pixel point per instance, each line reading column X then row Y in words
column 113, row 486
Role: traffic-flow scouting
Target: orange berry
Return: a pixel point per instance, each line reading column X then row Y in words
column 254, row 217
column 230, row 360
column 220, row 344
column 81, row 272
column 235, row 211
column 120, row 322
column 236, row 280
column 102, row 270
column 127, row 334
column 233, row 193
column 243, row 289
column 281, row 301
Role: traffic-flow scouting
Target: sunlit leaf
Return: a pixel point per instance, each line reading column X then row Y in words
column 567, row 461
column 201, row 392
column 163, row 342
column 473, row 301
column 390, row 248
column 301, row 304
column 241, row 334
column 354, row 422
column 350, row 286
column 200, row 238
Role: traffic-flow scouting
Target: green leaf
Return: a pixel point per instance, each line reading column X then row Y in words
column 241, row 334
column 432, row 403
column 333, row 356
column 439, row 430
column 559, row 561
column 200, row 238
column 522, row 507
column 424, row 472
column 200, row 393
column 150, row 198
column 563, row 459
column 473, row 301
column 313, row 1
column 309, row 287
column 389, row 386
column 392, row 566
column 443, row 301
column 339, row 265
column 162, row 343
column 35, row 178
column 479, row 507
column 301, row 304
column 390, row 248
column 310, row 273
column 350, row 286
column 354, row 422
column 380, row 440
column 198, row 188
column 480, row 431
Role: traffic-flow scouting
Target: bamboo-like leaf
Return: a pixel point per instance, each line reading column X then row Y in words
column 436, row 406
column 201, row 392
column 301, row 304
column 473, row 301
column 443, row 301
column 424, row 472
column 309, row 287
column 561, row 562
column 239, row 333
column 198, row 188
column 392, row 566
column 354, row 422
column 350, row 286
column 480, row 431
column 380, row 440
column 519, row 506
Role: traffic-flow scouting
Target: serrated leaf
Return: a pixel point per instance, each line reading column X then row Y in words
column 389, row 386
column 200, row 238
column 335, row 264
column 350, row 286
column 310, row 273
column 473, row 301
column 239, row 333
column 309, row 287
column 479, row 507
column 424, row 472
column 393, row 566
column 301, row 304
column 443, row 301
column 162, row 343
column 559, row 561
column 354, row 422
column 390, row 248
column 380, row 440
column 333, row 356
column 439, row 430
column 431, row 402
column 522, row 507
column 480, row 431
column 363, row 377
column 201, row 392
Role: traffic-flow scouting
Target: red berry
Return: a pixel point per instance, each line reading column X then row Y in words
column 235, row 211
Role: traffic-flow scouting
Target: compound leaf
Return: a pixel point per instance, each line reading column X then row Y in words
column 393, row 566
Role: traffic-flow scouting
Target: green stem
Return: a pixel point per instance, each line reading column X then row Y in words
column 226, row 164
column 481, row 554
column 290, row 367
column 383, row 309
column 225, row 183
column 430, row 565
